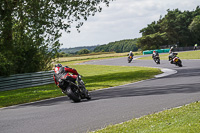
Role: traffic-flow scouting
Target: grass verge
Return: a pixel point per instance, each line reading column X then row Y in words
column 185, row 119
column 92, row 57
column 96, row 77
column 182, row 55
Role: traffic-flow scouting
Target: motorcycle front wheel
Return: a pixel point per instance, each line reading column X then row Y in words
column 129, row 60
column 179, row 63
column 158, row 61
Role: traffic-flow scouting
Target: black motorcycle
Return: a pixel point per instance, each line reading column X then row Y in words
column 156, row 59
column 176, row 60
column 74, row 89
column 130, row 58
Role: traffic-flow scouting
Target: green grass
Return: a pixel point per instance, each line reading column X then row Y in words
column 99, row 76
column 95, row 56
column 182, row 55
column 26, row 95
column 185, row 119
column 95, row 76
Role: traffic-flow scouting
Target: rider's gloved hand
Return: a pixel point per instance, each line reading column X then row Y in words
column 80, row 76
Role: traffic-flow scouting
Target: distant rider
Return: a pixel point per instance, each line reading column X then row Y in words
column 171, row 53
column 155, row 53
column 195, row 46
column 131, row 54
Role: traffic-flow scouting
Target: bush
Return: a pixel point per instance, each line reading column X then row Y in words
column 5, row 66
column 83, row 51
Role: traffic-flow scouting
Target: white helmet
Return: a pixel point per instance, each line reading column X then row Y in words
column 130, row 51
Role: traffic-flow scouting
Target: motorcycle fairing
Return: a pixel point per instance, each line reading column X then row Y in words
column 175, row 59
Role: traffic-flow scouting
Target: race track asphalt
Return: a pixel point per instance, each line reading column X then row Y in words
column 108, row 106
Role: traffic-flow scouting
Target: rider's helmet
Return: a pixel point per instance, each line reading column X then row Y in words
column 154, row 51
column 58, row 65
column 172, row 47
column 130, row 51
column 57, row 68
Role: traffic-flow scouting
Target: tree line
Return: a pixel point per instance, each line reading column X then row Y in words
column 118, row 46
column 176, row 27
column 181, row 28
column 76, row 49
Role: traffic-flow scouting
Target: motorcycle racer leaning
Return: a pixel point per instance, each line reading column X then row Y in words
column 60, row 70
column 155, row 53
column 171, row 53
column 131, row 54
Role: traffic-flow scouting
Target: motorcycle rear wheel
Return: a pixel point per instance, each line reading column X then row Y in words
column 180, row 65
column 73, row 95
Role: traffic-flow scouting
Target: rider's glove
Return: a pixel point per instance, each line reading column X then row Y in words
column 80, row 76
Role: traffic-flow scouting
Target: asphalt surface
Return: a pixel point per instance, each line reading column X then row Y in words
column 108, row 106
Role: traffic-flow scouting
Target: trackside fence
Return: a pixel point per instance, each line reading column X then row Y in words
column 167, row 50
column 26, row 80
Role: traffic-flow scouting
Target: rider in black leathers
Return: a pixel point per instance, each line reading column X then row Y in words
column 155, row 53
column 131, row 54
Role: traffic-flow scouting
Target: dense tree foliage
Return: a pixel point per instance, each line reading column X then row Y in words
column 176, row 27
column 153, row 41
column 194, row 27
column 30, row 30
column 118, row 46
